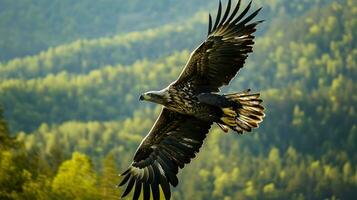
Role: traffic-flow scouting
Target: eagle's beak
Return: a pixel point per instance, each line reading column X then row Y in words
column 144, row 96
column 141, row 98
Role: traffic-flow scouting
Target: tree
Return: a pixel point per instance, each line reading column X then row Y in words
column 76, row 179
column 5, row 140
column 109, row 178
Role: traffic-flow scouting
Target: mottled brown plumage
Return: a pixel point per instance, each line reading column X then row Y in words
column 191, row 105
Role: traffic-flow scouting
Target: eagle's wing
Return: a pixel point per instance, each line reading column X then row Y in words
column 171, row 143
column 217, row 60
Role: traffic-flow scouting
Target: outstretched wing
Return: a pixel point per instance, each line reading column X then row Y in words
column 217, row 60
column 171, row 143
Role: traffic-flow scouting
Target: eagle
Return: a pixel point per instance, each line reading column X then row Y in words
column 192, row 103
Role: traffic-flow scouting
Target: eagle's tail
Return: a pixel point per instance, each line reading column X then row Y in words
column 245, row 113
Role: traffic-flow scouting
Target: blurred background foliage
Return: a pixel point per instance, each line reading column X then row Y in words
column 71, row 73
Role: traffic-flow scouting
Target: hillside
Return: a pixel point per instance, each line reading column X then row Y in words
column 82, row 56
column 31, row 26
column 76, row 105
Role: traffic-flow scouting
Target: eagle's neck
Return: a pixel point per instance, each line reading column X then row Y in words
column 162, row 94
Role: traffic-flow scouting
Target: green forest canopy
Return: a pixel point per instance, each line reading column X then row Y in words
column 76, row 104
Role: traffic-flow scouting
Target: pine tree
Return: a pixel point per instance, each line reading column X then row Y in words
column 76, row 179
column 5, row 140
column 109, row 178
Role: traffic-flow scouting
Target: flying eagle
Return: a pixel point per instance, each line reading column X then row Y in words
column 191, row 105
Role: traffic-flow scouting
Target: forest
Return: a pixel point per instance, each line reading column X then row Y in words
column 71, row 75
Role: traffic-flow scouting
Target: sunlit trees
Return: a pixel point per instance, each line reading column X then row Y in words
column 5, row 140
column 14, row 172
column 109, row 180
column 82, row 97
column 39, row 27
column 76, row 179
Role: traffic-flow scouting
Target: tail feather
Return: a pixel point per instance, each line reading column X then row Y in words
column 248, row 112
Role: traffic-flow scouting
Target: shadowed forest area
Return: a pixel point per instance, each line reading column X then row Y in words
column 71, row 74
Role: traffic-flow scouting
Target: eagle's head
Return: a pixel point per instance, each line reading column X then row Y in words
column 161, row 97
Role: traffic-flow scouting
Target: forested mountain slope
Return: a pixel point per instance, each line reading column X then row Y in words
column 80, row 80
column 82, row 56
column 77, row 105
column 30, row 26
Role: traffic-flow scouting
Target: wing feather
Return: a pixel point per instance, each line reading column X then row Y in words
column 209, row 23
column 172, row 142
column 146, row 191
column 218, row 18
column 242, row 14
column 217, row 60
column 137, row 190
column 129, row 186
column 126, row 178
column 226, row 13
column 234, row 12
column 165, row 187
